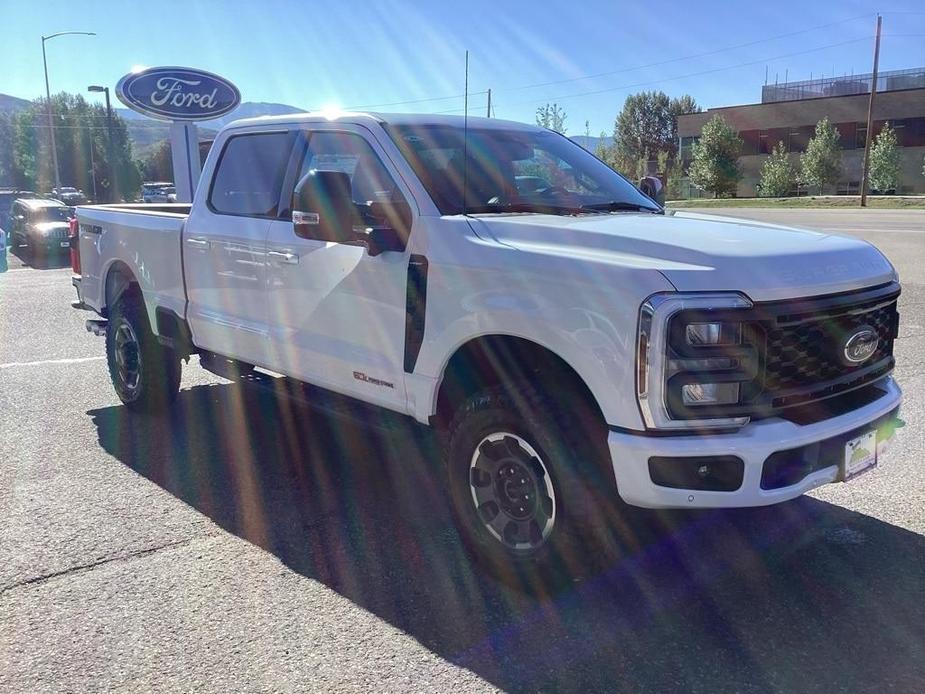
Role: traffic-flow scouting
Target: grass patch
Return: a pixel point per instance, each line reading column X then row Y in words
column 886, row 202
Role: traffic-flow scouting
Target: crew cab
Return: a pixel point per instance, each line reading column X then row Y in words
column 579, row 348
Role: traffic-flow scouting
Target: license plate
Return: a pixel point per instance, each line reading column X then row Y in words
column 860, row 455
column 65, row 244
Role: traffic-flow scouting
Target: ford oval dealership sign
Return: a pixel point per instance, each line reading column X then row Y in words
column 178, row 93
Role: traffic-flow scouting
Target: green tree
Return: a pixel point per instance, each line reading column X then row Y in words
column 820, row 164
column 82, row 144
column 156, row 164
column 7, row 165
column 715, row 158
column 670, row 169
column 884, row 161
column 604, row 151
column 649, row 121
column 778, row 175
column 551, row 116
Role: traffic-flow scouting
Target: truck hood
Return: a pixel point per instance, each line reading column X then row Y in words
column 698, row 252
column 46, row 228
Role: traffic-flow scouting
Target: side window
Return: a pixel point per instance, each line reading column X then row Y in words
column 249, row 174
column 351, row 154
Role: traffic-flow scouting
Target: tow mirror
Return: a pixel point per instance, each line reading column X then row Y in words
column 391, row 227
column 323, row 207
column 653, row 188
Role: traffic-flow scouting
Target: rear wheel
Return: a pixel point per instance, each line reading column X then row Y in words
column 531, row 488
column 144, row 373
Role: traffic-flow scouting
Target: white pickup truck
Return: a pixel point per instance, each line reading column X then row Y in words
column 578, row 347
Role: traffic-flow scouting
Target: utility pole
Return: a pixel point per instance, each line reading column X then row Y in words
column 110, row 150
column 96, row 198
column 488, row 114
column 865, row 183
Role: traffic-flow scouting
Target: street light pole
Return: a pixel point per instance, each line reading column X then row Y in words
column 113, row 178
column 51, row 127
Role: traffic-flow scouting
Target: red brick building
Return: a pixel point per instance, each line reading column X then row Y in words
column 789, row 112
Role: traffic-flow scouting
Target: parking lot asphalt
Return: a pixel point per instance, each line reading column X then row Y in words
column 250, row 543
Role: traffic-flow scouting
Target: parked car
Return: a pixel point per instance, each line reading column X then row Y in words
column 41, row 225
column 580, row 350
column 157, row 192
column 69, row 196
column 7, row 197
column 3, row 252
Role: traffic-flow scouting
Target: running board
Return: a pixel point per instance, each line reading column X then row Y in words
column 331, row 404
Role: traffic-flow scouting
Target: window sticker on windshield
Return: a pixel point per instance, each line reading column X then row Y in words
column 347, row 163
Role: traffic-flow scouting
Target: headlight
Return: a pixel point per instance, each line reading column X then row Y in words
column 693, row 360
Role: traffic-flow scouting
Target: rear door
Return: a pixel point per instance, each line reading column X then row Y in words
column 337, row 313
column 224, row 245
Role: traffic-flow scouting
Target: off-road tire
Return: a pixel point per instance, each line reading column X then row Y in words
column 571, row 447
column 146, row 376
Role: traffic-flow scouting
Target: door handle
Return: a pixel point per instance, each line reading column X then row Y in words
column 198, row 243
column 280, row 257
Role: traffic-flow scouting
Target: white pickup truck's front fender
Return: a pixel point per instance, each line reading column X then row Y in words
column 588, row 321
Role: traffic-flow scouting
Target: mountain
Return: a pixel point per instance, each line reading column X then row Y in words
column 12, row 104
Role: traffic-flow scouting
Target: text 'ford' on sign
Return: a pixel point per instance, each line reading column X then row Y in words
column 178, row 93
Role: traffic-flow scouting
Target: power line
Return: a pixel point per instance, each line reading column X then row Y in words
column 693, row 74
column 411, row 101
column 686, row 57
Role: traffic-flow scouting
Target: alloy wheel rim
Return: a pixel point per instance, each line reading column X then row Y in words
column 127, row 354
column 512, row 491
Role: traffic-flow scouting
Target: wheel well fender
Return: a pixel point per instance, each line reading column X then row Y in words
column 490, row 360
column 119, row 280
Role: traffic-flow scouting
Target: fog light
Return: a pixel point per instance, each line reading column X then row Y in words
column 710, row 393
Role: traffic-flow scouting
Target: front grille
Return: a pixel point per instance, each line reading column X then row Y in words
column 790, row 353
column 803, row 342
column 57, row 234
column 807, row 353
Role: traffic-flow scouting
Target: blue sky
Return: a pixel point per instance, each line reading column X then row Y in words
column 357, row 54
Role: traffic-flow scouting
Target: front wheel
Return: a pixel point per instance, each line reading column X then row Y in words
column 144, row 373
column 531, row 488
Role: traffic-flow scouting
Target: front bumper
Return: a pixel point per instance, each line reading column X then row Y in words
column 753, row 444
column 50, row 245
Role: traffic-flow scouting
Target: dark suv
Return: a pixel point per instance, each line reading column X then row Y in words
column 7, row 197
column 40, row 225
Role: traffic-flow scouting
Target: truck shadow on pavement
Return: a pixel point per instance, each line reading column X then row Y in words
column 802, row 597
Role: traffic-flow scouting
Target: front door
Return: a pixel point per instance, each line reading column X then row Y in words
column 337, row 313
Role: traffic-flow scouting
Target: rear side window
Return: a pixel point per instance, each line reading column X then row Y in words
column 249, row 175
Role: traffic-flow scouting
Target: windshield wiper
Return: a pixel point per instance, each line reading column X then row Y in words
column 537, row 207
column 620, row 206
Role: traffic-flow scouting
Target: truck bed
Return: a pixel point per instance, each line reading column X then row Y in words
column 145, row 239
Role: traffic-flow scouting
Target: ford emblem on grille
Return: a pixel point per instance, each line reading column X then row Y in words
column 861, row 345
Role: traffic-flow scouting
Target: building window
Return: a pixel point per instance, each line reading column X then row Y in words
column 799, row 138
column 750, row 144
column 860, row 135
column 763, row 142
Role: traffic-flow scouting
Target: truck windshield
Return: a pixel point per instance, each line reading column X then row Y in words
column 54, row 214
column 513, row 170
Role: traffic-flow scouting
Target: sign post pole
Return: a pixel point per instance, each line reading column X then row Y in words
column 184, row 150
